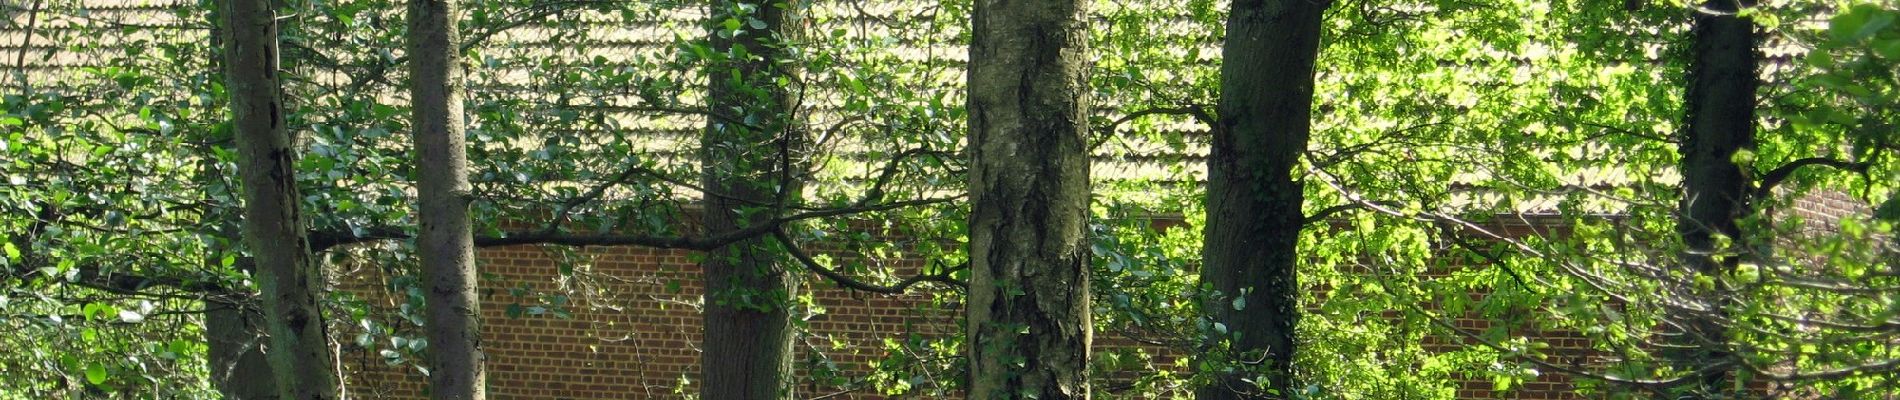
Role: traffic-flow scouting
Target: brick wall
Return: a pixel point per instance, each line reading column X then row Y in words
column 634, row 326
column 1823, row 210
column 634, row 330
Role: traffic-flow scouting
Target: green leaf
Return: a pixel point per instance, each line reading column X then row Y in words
column 96, row 373
column 1888, row 48
column 1820, row 59
column 1889, row 210
column 1742, row 157
column 1861, row 22
column 94, row 310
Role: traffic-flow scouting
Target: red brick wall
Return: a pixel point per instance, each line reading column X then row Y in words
column 634, row 330
column 631, row 334
column 635, row 337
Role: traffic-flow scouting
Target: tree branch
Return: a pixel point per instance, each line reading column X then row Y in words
column 324, row 240
column 1844, row 372
column 1328, row 212
column 1194, row 110
column 1776, row 176
column 846, row 281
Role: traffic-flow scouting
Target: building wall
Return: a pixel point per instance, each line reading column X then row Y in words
column 637, row 335
column 634, row 331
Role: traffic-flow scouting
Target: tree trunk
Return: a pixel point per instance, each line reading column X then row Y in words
column 234, row 326
column 444, row 242
column 1720, row 108
column 1029, row 318
column 235, row 339
column 273, row 222
column 749, row 157
column 1250, row 257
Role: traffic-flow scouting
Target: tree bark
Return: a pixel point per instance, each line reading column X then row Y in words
column 1720, row 109
column 1253, row 202
column 273, row 222
column 234, row 329
column 748, row 159
column 444, row 242
column 1029, row 324
column 234, row 326
column 234, row 339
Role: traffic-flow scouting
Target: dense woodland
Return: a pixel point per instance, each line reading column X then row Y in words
column 1296, row 195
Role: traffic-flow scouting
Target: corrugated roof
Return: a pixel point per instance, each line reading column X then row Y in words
column 525, row 63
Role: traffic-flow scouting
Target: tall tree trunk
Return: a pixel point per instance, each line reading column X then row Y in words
column 749, row 157
column 444, row 241
column 1720, row 108
column 1253, row 203
column 273, row 222
column 234, row 326
column 1028, row 324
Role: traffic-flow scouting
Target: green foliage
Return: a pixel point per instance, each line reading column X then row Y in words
column 1510, row 161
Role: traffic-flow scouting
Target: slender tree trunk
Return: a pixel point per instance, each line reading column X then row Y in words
column 444, row 241
column 1250, row 259
column 749, row 157
column 1720, row 108
column 1028, row 324
column 234, row 326
column 273, row 222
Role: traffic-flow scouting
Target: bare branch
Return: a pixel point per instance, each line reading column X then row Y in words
column 1328, row 212
column 1776, row 176
column 1869, row 368
column 791, row 247
column 320, row 241
column 1194, row 110
column 1652, row 384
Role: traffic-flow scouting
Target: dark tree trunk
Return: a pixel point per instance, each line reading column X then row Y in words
column 1720, row 108
column 234, row 327
column 444, row 242
column 1253, row 203
column 273, row 226
column 750, row 156
column 1029, row 317
column 234, row 334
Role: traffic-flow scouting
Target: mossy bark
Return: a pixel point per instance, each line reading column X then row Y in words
column 288, row 279
column 1250, row 256
column 751, row 161
column 1720, row 111
column 1029, row 324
